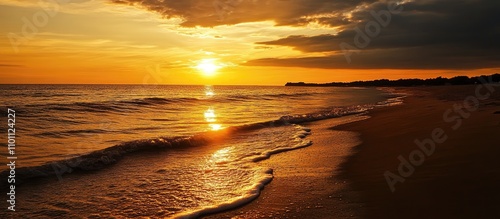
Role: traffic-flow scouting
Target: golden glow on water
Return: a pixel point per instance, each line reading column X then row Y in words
column 221, row 156
column 209, row 92
column 211, row 118
column 209, row 114
column 215, row 127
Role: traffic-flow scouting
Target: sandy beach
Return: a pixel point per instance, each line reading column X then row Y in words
column 250, row 109
column 351, row 171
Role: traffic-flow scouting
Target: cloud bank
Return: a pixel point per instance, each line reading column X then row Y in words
column 426, row 34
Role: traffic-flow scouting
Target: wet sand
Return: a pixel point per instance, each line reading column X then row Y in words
column 305, row 183
column 343, row 177
column 459, row 180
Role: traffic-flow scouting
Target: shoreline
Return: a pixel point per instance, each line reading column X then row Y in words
column 291, row 194
column 459, row 179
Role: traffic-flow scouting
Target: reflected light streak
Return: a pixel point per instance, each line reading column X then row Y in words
column 221, row 155
column 211, row 118
column 210, row 115
column 209, row 91
column 215, row 127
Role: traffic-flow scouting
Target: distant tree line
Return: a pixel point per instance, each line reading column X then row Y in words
column 439, row 81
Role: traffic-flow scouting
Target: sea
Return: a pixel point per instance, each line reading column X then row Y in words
column 158, row 151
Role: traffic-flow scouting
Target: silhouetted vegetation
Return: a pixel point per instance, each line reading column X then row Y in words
column 439, row 81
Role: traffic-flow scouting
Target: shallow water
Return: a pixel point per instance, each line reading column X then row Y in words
column 178, row 150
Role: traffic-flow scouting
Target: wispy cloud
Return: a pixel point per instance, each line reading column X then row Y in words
column 10, row 66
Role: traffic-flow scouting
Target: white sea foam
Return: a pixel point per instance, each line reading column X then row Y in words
column 186, row 176
column 285, row 138
column 249, row 195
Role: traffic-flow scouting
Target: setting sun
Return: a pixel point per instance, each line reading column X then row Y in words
column 250, row 108
column 208, row 67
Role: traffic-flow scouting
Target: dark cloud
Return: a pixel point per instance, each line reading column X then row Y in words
column 438, row 57
column 211, row 13
column 427, row 34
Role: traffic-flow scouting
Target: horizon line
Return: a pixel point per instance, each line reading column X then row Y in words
column 267, row 85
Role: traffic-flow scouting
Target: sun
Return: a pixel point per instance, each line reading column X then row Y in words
column 208, row 67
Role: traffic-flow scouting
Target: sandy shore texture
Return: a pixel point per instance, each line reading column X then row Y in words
column 345, row 173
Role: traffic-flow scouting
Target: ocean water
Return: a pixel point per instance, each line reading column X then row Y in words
column 159, row 151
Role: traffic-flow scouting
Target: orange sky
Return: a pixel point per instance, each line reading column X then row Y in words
column 99, row 41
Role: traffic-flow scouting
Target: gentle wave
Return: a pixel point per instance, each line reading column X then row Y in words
column 244, row 199
column 265, row 177
column 102, row 158
column 235, row 154
column 267, row 96
column 99, row 159
column 61, row 134
column 111, row 106
column 129, row 105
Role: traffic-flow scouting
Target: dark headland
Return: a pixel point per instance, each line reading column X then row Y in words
column 458, row 80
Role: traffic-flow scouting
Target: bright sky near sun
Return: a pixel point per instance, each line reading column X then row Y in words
column 199, row 42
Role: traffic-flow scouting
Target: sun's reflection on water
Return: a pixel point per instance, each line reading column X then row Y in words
column 215, row 127
column 209, row 91
column 221, row 156
column 211, row 119
column 209, row 114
